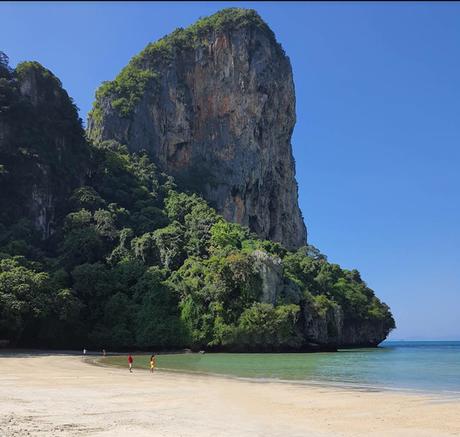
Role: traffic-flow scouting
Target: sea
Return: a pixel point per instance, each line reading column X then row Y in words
column 413, row 366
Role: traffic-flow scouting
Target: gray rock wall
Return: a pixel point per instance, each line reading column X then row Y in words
column 219, row 117
column 321, row 330
column 42, row 148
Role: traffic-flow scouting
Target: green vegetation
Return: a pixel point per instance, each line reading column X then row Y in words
column 139, row 264
column 130, row 260
column 226, row 20
column 125, row 91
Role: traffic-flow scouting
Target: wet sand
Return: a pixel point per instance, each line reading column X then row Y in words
column 62, row 395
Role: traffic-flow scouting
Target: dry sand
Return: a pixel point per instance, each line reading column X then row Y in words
column 59, row 395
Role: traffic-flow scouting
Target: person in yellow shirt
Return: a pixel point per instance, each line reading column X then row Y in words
column 153, row 362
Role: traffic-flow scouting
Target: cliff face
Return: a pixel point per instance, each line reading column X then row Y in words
column 214, row 106
column 322, row 329
column 43, row 153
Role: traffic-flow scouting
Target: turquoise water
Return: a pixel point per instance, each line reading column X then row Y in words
column 419, row 366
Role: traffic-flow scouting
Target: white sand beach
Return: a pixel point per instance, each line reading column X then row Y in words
column 58, row 395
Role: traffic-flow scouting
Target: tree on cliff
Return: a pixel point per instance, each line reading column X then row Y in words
column 4, row 63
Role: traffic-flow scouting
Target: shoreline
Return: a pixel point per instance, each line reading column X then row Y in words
column 94, row 358
column 339, row 385
column 66, row 395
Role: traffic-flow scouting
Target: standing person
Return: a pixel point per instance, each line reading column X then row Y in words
column 130, row 363
column 153, row 362
column 84, row 351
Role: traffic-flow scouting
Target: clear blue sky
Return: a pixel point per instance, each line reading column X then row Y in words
column 377, row 141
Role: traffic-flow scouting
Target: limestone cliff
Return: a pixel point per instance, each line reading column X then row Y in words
column 43, row 153
column 322, row 327
column 214, row 106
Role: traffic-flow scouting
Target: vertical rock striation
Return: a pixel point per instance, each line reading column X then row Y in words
column 43, row 153
column 214, row 106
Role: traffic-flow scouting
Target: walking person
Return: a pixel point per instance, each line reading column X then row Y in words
column 153, row 363
column 130, row 363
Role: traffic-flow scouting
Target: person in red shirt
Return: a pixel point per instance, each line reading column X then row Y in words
column 130, row 363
